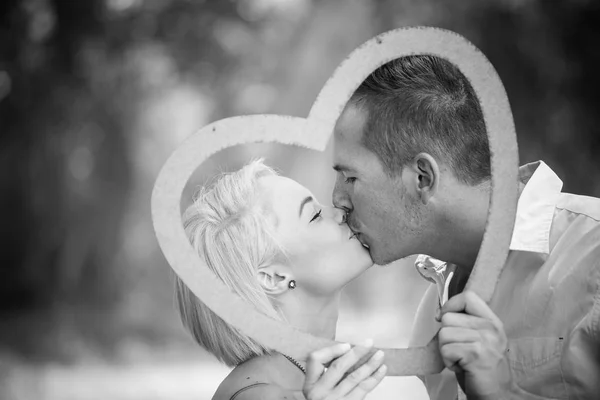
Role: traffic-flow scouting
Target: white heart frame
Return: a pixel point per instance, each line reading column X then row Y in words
column 314, row 133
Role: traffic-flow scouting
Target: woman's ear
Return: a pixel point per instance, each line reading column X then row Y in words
column 427, row 176
column 274, row 279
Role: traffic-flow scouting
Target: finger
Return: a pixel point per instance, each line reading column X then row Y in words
column 470, row 303
column 459, row 354
column 340, row 366
column 364, row 358
column 456, row 303
column 315, row 364
column 349, row 382
column 461, row 320
column 457, row 335
column 481, row 330
column 367, row 385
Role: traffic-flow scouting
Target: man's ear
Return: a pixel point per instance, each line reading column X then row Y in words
column 274, row 279
column 427, row 176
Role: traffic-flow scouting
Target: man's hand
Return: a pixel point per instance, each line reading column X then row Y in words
column 473, row 345
column 331, row 383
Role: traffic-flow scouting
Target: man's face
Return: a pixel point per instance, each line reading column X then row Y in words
column 380, row 208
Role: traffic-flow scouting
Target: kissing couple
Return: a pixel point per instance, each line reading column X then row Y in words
column 412, row 165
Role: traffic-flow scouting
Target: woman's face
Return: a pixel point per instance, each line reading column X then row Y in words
column 324, row 255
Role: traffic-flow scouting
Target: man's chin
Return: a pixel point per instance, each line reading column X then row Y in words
column 382, row 260
column 378, row 260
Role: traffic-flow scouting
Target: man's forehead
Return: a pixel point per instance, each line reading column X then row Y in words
column 350, row 125
column 348, row 149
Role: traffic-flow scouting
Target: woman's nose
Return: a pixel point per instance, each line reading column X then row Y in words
column 338, row 215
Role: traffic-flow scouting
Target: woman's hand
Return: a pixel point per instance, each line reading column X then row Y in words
column 333, row 382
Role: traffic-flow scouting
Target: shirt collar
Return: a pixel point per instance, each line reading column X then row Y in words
column 535, row 209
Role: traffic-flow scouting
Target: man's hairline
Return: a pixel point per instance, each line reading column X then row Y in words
column 361, row 103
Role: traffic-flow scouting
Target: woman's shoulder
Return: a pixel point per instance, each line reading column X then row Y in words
column 252, row 379
column 260, row 391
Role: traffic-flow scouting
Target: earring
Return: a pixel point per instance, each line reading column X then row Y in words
column 292, row 284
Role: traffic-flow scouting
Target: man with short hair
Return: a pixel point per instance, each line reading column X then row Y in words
column 413, row 174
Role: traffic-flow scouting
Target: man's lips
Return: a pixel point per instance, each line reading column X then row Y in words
column 357, row 235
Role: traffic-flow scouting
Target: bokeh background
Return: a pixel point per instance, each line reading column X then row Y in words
column 95, row 95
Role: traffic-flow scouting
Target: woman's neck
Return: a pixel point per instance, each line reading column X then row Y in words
column 315, row 315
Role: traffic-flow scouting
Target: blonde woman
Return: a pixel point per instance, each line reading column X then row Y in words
column 272, row 243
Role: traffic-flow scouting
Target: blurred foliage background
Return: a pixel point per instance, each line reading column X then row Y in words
column 95, row 95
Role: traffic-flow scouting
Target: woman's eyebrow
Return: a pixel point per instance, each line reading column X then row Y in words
column 304, row 202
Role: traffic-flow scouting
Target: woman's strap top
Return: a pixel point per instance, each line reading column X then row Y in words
column 246, row 388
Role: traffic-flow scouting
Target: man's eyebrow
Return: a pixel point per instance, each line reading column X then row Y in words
column 306, row 200
column 342, row 168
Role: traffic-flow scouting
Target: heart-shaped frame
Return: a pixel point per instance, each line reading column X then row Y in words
column 314, row 133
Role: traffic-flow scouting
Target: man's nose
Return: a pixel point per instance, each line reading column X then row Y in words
column 340, row 199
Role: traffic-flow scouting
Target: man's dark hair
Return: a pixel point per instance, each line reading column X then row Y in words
column 423, row 103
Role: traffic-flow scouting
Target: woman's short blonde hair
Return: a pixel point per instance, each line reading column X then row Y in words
column 228, row 226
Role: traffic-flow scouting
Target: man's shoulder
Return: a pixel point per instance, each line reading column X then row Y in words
column 579, row 204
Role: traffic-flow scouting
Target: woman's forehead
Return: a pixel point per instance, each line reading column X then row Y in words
column 283, row 196
column 284, row 188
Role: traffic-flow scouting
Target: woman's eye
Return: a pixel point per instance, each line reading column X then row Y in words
column 317, row 215
column 350, row 180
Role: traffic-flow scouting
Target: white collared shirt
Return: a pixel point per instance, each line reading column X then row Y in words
column 548, row 295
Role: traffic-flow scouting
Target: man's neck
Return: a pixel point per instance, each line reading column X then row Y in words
column 465, row 266
column 464, row 225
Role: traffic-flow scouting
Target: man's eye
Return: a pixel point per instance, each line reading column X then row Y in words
column 317, row 215
column 350, row 180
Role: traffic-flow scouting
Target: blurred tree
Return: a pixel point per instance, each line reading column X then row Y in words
column 547, row 61
column 73, row 78
column 83, row 86
column 56, row 135
column 64, row 128
column 546, row 55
